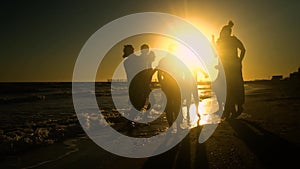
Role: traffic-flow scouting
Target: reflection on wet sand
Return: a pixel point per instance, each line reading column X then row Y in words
column 207, row 110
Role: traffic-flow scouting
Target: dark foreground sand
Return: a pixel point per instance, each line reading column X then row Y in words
column 266, row 135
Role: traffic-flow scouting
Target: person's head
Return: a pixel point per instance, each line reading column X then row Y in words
column 144, row 49
column 127, row 50
column 226, row 30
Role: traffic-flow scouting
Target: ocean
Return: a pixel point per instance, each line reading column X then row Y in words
column 41, row 116
column 34, row 114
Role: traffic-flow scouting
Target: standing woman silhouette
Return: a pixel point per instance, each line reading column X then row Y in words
column 231, row 52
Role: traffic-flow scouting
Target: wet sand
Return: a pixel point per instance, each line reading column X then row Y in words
column 266, row 135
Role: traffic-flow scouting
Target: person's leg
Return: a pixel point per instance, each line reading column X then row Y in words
column 147, row 89
column 177, row 110
column 229, row 97
column 238, row 112
column 168, row 110
column 226, row 112
column 239, row 92
column 188, row 105
column 170, row 117
column 174, row 106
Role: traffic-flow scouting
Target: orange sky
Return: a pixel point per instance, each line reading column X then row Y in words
column 40, row 41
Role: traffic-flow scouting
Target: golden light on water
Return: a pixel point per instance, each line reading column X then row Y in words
column 206, row 112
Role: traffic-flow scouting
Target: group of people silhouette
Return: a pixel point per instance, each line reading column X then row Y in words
column 177, row 81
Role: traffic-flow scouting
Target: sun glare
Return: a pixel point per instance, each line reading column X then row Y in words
column 186, row 55
column 201, row 63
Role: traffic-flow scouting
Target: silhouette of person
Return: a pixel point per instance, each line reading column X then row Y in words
column 132, row 63
column 231, row 52
column 148, row 58
column 177, row 74
column 148, row 55
column 138, row 77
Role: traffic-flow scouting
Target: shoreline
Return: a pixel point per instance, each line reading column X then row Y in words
column 271, row 113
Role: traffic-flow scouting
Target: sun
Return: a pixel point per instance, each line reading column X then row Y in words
column 186, row 55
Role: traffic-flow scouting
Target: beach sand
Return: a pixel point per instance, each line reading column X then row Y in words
column 266, row 135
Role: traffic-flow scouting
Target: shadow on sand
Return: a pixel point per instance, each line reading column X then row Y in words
column 187, row 154
column 272, row 150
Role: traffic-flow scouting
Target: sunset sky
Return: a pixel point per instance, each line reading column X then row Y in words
column 40, row 41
